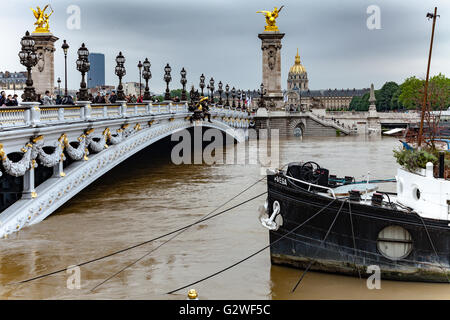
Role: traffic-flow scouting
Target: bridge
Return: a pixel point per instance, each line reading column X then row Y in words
column 50, row 153
column 302, row 123
column 319, row 122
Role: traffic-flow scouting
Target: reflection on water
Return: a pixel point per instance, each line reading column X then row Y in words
column 148, row 196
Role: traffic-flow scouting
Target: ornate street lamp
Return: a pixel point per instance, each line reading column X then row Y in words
column 28, row 58
column 59, row 86
column 65, row 48
column 239, row 98
column 209, row 92
column 140, row 78
column 183, row 82
column 220, row 90
column 83, row 65
column 211, row 87
column 120, row 72
column 202, row 83
column 227, row 93
column 233, row 96
column 244, row 105
column 262, row 92
column 167, row 79
column 147, row 75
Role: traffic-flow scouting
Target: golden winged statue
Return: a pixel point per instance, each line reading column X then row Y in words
column 270, row 18
column 41, row 23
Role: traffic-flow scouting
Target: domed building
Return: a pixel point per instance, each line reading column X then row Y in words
column 298, row 96
column 297, row 77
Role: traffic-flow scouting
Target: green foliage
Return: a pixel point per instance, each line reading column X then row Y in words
column 408, row 95
column 412, row 160
column 360, row 103
column 412, row 90
column 385, row 94
column 411, row 93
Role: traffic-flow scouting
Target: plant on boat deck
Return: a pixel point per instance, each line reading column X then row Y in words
column 414, row 159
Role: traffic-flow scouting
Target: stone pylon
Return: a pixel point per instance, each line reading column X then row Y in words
column 44, row 72
column 271, row 67
column 373, row 120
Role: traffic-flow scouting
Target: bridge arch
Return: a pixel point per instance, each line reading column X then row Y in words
column 126, row 138
column 297, row 126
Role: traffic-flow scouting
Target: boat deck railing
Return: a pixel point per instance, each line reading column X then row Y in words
column 312, row 185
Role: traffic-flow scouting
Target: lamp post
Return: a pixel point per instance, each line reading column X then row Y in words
column 183, row 82
column 147, row 75
column 120, row 72
column 65, row 48
column 244, row 105
column 211, row 87
column 239, row 98
column 59, row 86
column 220, row 90
column 202, row 83
column 140, row 78
column 262, row 92
column 167, row 79
column 227, row 93
column 83, row 66
column 233, row 96
column 29, row 59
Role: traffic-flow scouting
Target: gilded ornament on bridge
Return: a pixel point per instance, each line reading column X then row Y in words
column 42, row 25
column 271, row 16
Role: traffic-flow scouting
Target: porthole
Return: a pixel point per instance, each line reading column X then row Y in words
column 416, row 193
column 394, row 242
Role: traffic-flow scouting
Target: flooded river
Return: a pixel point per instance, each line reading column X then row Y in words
column 148, row 196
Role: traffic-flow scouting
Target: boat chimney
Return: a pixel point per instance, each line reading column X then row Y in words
column 441, row 164
column 429, row 170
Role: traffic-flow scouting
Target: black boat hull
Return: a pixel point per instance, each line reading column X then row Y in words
column 352, row 243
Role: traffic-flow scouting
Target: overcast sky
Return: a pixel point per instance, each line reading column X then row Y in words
column 220, row 38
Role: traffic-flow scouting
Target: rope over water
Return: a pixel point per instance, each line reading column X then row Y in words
column 254, row 254
column 144, row 242
column 174, row 236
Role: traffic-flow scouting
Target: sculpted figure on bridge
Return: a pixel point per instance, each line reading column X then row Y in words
column 270, row 18
column 41, row 23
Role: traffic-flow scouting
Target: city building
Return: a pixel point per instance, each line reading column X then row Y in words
column 132, row 88
column 299, row 96
column 13, row 80
column 96, row 74
column 102, row 89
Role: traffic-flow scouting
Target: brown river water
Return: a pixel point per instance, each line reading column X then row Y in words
column 147, row 196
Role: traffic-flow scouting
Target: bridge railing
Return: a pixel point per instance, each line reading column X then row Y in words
column 32, row 114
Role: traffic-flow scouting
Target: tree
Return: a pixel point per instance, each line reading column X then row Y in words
column 411, row 93
column 395, row 103
column 384, row 97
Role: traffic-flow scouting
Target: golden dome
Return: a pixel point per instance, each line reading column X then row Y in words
column 297, row 67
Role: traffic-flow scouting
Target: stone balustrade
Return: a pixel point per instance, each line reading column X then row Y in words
column 33, row 114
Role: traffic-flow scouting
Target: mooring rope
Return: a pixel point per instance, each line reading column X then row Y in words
column 321, row 244
column 139, row 244
column 174, row 236
column 255, row 253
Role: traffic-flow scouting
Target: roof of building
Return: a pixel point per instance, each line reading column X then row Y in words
column 12, row 75
column 333, row 93
column 297, row 68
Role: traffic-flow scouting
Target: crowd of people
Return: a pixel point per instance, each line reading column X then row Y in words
column 107, row 98
column 8, row 100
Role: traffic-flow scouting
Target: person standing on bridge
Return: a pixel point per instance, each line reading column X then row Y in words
column 48, row 100
column 3, row 99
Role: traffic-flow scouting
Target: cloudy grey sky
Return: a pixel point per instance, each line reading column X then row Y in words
column 219, row 38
